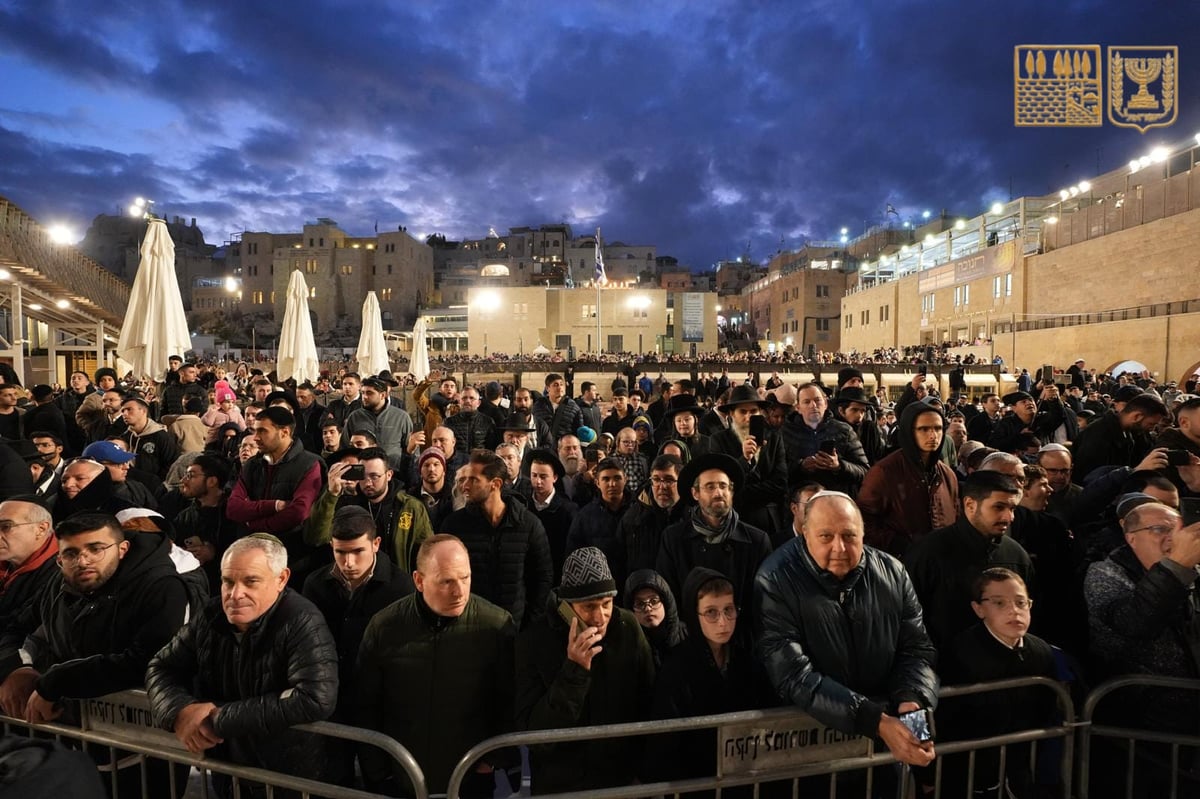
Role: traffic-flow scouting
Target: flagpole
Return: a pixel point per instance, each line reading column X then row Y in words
column 600, row 273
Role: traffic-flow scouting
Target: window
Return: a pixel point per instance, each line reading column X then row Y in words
column 849, row 321
column 927, row 304
column 312, row 293
column 996, row 287
column 272, row 298
column 347, row 269
column 795, row 293
column 822, row 324
column 322, row 242
column 256, row 298
column 310, row 266
column 389, row 269
column 885, row 313
column 385, row 294
column 866, row 318
column 1008, row 285
column 822, row 290
column 588, row 311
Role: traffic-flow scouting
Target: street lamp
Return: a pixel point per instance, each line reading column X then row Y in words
column 487, row 303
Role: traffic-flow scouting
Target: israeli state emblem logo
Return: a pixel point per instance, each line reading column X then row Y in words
column 1143, row 89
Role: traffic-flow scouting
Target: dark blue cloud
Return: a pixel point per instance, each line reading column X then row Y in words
column 700, row 130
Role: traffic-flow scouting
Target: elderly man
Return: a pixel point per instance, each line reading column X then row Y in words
column 1142, row 616
column 712, row 534
column 435, row 672
column 586, row 662
column 1064, row 504
column 27, row 554
column 823, row 447
column 249, row 666
column 86, row 486
column 814, row 597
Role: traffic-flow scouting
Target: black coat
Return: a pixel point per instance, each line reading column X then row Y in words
column 510, row 564
column 282, row 672
column 641, row 530
column 801, row 441
column 597, row 526
column 348, row 613
column 1104, row 443
column 557, row 518
column 844, row 650
column 944, row 565
column 766, row 478
column 94, row 644
column 562, row 421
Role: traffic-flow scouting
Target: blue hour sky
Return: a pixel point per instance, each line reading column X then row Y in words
column 711, row 130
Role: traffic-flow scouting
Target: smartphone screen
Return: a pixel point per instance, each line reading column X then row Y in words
column 758, row 428
column 919, row 723
column 355, row 472
column 829, row 447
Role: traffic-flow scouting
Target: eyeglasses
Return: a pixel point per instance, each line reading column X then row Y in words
column 646, row 604
column 190, row 475
column 663, row 481
column 713, row 615
column 69, row 557
column 1159, row 530
column 1000, row 603
column 6, row 525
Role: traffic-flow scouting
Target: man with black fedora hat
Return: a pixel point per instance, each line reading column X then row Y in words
column 521, row 431
column 712, row 534
column 762, row 461
column 681, row 421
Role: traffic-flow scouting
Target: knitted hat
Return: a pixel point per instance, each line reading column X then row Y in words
column 586, row 435
column 431, row 452
column 224, row 392
column 585, row 575
column 848, row 373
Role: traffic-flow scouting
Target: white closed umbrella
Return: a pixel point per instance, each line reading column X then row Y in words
column 418, row 362
column 372, row 352
column 297, row 348
column 155, row 326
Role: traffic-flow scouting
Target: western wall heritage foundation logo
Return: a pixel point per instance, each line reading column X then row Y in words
column 1064, row 86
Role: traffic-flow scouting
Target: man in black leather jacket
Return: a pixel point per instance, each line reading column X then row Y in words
column 262, row 636
column 841, row 634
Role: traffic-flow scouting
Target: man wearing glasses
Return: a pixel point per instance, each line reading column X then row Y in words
column 121, row 601
column 1144, row 618
column 27, row 552
column 945, row 564
column 401, row 520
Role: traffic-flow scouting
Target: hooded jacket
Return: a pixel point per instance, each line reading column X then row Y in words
column 94, row 644
column 671, row 632
column 155, row 446
column 597, row 525
column 641, row 529
column 554, row 692
column 844, row 650
column 902, row 498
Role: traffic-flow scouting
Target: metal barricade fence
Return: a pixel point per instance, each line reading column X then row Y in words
column 784, row 745
column 1132, row 736
column 120, row 723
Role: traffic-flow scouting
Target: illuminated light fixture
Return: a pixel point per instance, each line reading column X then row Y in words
column 1064, row 194
column 1144, row 161
column 1197, row 137
column 904, row 249
column 35, row 306
column 1158, row 155
column 1085, row 186
column 925, row 215
column 1074, row 190
column 1134, row 166
column 62, row 304
column 141, row 208
column 640, row 303
column 487, row 301
column 997, row 208
column 231, row 284
column 60, row 234
column 5, row 274
column 959, row 224
column 1051, row 220
column 929, row 238
column 845, row 230
column 718, row 309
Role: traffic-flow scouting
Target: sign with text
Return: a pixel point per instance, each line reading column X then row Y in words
column 982, row 263
column 693, row 316
column 792, row 740
column 126, row 714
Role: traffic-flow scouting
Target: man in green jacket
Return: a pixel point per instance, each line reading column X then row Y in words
column 435, row 672
column 401, row 520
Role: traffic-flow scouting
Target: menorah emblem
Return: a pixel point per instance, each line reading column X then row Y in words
column 1143, row 67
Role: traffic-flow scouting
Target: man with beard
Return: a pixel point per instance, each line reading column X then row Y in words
column 86, row 486
column 523, row 403
column 597, row 522
column 472, row 429
column 589, row 404
column 635, row 465
column 433, row 489
column 656, row 508
column 763, row 484
column 176, row 393
column 95, row 416
column 682, row 422
column 945, row 564
column 276, row 489
column 555, row 512
column 510, row 555
column 390, row 425
column 853, row 407
column 570, row 454
column 121, row 601
column 201, row 527
column 401, row 520
column 1120, row 437
column 712, row 534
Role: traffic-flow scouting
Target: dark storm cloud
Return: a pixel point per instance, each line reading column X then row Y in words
column 701, row 130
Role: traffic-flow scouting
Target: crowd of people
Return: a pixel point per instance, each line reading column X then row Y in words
column 459, row 561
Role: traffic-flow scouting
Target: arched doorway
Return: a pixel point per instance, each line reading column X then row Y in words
column 1134, row 367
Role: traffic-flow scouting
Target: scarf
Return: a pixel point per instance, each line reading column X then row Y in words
column 714, row 535
column 33, row 562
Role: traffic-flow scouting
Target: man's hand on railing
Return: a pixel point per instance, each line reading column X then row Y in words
column 900, row 741
column 194, row 727
column 39, row 710
column 16, row 690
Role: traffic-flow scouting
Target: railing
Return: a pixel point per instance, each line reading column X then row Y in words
column 821, row 759
column 1090, row 730
column 1099, row 317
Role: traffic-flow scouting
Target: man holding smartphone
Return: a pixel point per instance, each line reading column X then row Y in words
column 822, row 447
column 760, row 452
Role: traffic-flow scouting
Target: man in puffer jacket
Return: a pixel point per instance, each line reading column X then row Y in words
column 249, row 667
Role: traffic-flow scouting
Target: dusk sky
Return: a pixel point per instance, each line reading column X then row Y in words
column 698, row 127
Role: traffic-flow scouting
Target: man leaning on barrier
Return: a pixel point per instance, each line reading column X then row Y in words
column 840, row 630
column 248, row 667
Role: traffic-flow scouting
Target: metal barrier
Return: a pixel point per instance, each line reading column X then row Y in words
column 1091, row 730
column 792, row 745
column 121, row 723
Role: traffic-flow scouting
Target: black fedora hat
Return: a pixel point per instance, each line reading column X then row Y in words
column 742, row 395
column 542, row 456
column 848, row 395
column 519, row 422
column 682, row 403
column 712, row 460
